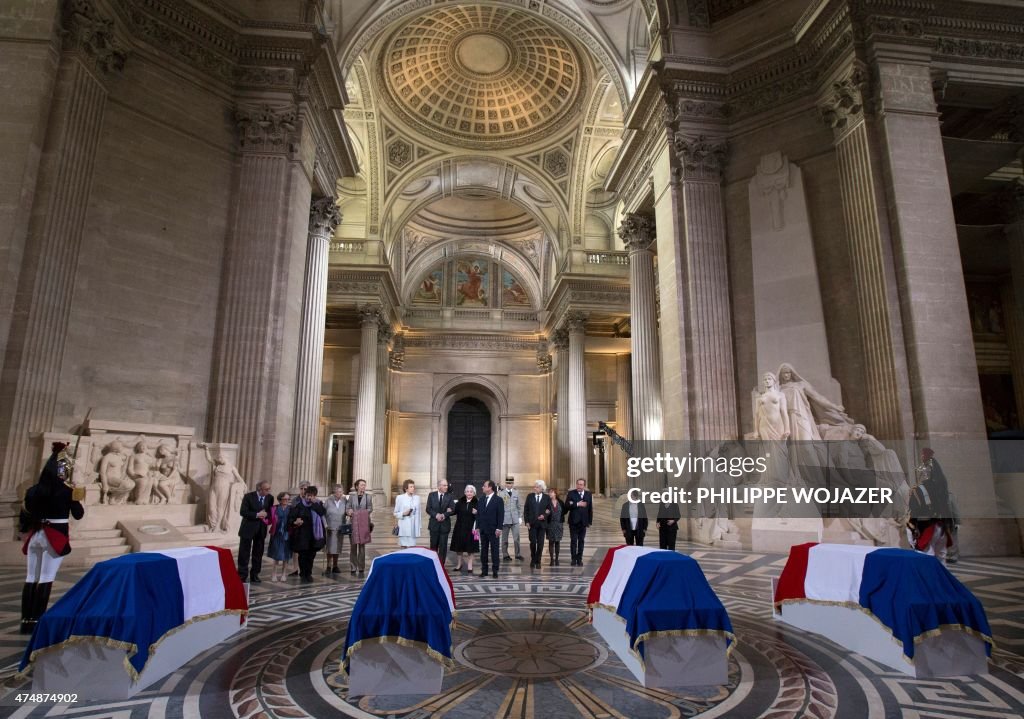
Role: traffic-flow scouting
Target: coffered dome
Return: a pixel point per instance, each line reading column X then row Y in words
column 481, row 76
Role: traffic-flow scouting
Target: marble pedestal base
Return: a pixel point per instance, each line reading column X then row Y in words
column 949, row 654
column 386, row 669
column 97, row 673
column 668, row 661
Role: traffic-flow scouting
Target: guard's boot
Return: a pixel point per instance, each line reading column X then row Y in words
column 27, row 608
column 41, row 599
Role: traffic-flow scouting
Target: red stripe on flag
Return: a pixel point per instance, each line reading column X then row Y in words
column 791, row 583
column 594, row 596
column 234, row 591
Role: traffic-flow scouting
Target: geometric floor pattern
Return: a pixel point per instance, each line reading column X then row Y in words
column 524, row 648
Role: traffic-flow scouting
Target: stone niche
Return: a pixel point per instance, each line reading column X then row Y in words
column 162, row 470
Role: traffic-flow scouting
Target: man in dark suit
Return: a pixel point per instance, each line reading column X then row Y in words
column 440, row 505
column 253, row 531
column 490, row 516
column 580, row 504
column 536, row 514
column 633, row 521
column 668, row 525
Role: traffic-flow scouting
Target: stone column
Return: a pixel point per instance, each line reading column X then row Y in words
column 306, row 454
column 257, row 361
column 637, row 232
column 366, row 401
column 871, row 264
column 942, row 366
column 560, row 471
column 380, row 416
column 35, row 347
column 623, row 418
column 1012, row 293
column 577, row 431
column 712, row 386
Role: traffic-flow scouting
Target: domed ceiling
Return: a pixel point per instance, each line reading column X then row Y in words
column 481, row 76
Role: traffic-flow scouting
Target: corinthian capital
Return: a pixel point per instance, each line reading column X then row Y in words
column 560, row 339
column 324, row 217
column 701, row 157
column 637, row 232
column 575, row 322
column 370, row 315
column 92, row 36
column 267, row 128
column 843, row 105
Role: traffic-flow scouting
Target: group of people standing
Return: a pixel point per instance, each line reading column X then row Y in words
column 481, row 523
column 299, row 526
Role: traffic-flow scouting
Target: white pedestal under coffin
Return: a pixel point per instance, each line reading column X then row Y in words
column 387, row 668
column 668, row 661
column 96, row 673
column 949, row 654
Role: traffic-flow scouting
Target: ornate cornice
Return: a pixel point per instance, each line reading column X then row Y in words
column 700, row 157
column 637, row 232
column 91, row 36
column 324, row 218
column 463, row 342
column 267, row 128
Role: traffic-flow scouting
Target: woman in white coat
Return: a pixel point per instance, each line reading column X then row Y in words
column 407, row 510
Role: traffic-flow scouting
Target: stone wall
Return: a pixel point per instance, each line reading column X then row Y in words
column 144, row 312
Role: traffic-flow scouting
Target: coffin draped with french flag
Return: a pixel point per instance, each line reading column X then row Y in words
column 132, row 602
column 912, row 594
column 408, row 599
column 658, row 593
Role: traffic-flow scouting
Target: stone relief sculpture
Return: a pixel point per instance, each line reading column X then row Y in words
column 807, row 406
column 226, row 489
column 771, row 414
column 857, row 458
column 115, row 484
column 714, row 525
column 168, row 474
column 140, row 470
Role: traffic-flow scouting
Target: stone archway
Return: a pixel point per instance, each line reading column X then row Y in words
column 494, row 398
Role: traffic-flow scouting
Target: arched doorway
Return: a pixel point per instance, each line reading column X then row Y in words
column 469, row 444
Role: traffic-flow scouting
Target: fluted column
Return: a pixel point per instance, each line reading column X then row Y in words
column 712, row 385
column 35, row 348
column 623, row 416
column 577, row 439
column 384, row 335
column 257, row 360
column 1013, row 293
column 366, row 401
column 870, row 260
column 306, row 454
column 560, row 341
column 637, row 232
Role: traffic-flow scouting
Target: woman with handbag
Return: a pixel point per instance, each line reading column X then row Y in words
column 465, row 540
column 337, row 527
column 306, row 532
column 360, row 509
column 407, row 511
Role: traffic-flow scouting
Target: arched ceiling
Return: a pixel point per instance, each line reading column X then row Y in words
column 481, row 76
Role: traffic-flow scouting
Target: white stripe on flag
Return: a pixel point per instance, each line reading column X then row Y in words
column 834, row 572
column 432, row 555
column 201, row 583
column 618, row 574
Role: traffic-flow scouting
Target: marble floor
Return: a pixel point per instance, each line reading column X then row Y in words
column 524, row 648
